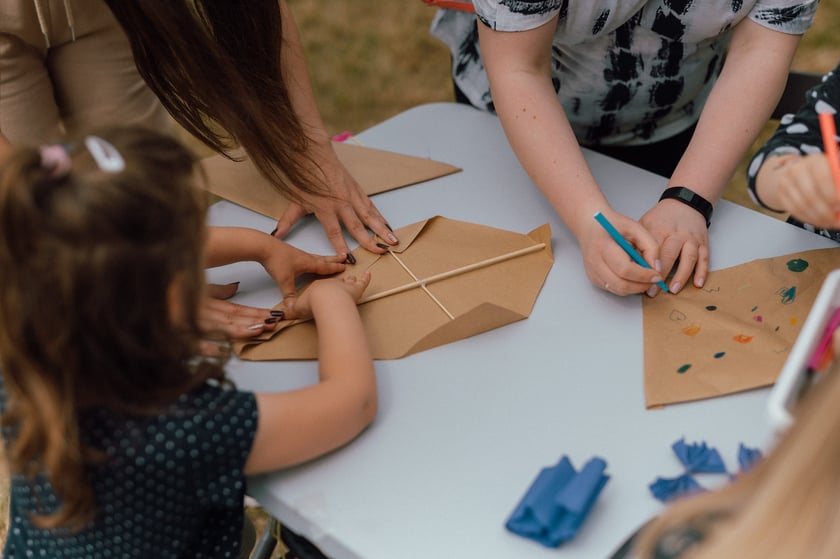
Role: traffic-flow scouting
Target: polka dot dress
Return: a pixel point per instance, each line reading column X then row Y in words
column 800, row 134
column 172, row 487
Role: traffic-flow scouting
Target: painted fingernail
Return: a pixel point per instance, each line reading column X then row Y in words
column 652, row 291
column 658, row 266
column 350, row 258
column 700, row 282
column 657, row 279
column 273, row 232
column 675, row 287
column 256, row 326
column 389, row 228
column 272, row 320
column 382, row 246
column 278, row 314
column 393, row 239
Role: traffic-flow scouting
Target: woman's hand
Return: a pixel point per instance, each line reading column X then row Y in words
column 347, row 204
column 610, row 268
column 237, row 321
column 681, row 234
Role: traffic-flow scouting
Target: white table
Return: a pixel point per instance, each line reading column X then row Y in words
column 463, row 429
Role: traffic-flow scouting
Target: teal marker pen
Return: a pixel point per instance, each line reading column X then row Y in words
column 628, row 248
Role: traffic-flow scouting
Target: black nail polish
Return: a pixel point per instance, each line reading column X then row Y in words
column 273, row 232
column 350, row 258
column 271, row 320
column 278, row 314
column 389, row 228
column 383, row 246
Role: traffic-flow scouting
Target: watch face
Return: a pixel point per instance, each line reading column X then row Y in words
column 686, row 194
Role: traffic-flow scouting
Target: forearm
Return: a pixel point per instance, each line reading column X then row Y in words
column 733, row 118
column 226, row 245
column 536, row 125
column 296, row 73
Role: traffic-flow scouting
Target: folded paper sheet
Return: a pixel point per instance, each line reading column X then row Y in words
column 558, row 501
column 430, row 290
column 733, row 334
column 375, row 170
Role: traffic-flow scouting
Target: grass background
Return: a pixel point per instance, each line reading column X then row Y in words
column 372, row 59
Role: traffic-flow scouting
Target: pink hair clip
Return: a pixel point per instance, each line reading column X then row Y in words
column 56, row 160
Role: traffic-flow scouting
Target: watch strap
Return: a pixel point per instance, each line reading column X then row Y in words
column 690, row 198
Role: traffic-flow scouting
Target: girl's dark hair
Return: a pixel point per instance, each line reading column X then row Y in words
column 92, row 267
column 217, row 63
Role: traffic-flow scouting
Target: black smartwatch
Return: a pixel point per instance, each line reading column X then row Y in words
column 690, row 198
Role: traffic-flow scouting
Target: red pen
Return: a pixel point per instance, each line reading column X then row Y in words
column 824, row 354
column 829, row 137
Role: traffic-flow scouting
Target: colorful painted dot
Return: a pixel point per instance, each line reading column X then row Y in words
column 684, row 368
column 719, row 354
column 758, row 318
column 797, row 265
column 754, row 308
column 742, row 338
column 793, row 321
column 711, row 308
column 692, row 330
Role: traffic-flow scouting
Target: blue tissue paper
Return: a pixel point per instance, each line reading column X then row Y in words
column 747, row 457
column 699, row 458
column 558, row 501
column 667, row 489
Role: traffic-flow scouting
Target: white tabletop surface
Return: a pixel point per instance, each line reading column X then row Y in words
column 463, row 429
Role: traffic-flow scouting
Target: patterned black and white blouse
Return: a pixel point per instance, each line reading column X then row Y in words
column 800, row 133
column 628, row 72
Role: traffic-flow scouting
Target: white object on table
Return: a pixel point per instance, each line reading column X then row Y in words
column 463, row 429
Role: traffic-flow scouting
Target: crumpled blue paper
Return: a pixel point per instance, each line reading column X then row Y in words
column 699, row 458
column 747, row 457
column 667, row 489
column 558, row 501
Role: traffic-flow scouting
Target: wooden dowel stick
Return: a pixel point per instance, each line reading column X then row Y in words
column 426, row 289
column 451, row 273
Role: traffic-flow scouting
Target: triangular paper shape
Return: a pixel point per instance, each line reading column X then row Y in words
column 375, row 170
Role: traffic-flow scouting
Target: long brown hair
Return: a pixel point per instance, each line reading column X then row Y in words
column 87, row 261
column 217, row 63
column 787, row 506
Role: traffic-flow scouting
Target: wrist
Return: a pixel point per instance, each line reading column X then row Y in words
column 691, row 199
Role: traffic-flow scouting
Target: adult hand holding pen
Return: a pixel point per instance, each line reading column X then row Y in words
column 610, row 266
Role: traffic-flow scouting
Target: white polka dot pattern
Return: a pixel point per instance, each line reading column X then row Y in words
column 172, row 486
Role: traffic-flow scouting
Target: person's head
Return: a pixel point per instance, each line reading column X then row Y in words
column 216, row 67
column 787, row 506
column 92, row 262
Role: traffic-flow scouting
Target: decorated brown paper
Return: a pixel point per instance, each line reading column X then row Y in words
column 431, row 290
column 734, row 333
column 375, row 170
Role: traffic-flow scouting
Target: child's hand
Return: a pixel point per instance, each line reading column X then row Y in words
column 802, row 186
column 348, row 286
column 284, row 263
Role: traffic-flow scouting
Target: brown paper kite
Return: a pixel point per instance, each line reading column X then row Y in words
column 446, row 280
column 733, row 334
column 375, row 170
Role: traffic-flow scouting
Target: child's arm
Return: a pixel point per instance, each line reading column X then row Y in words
column 801, row 185
column 300, row 425
column 281, row 260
